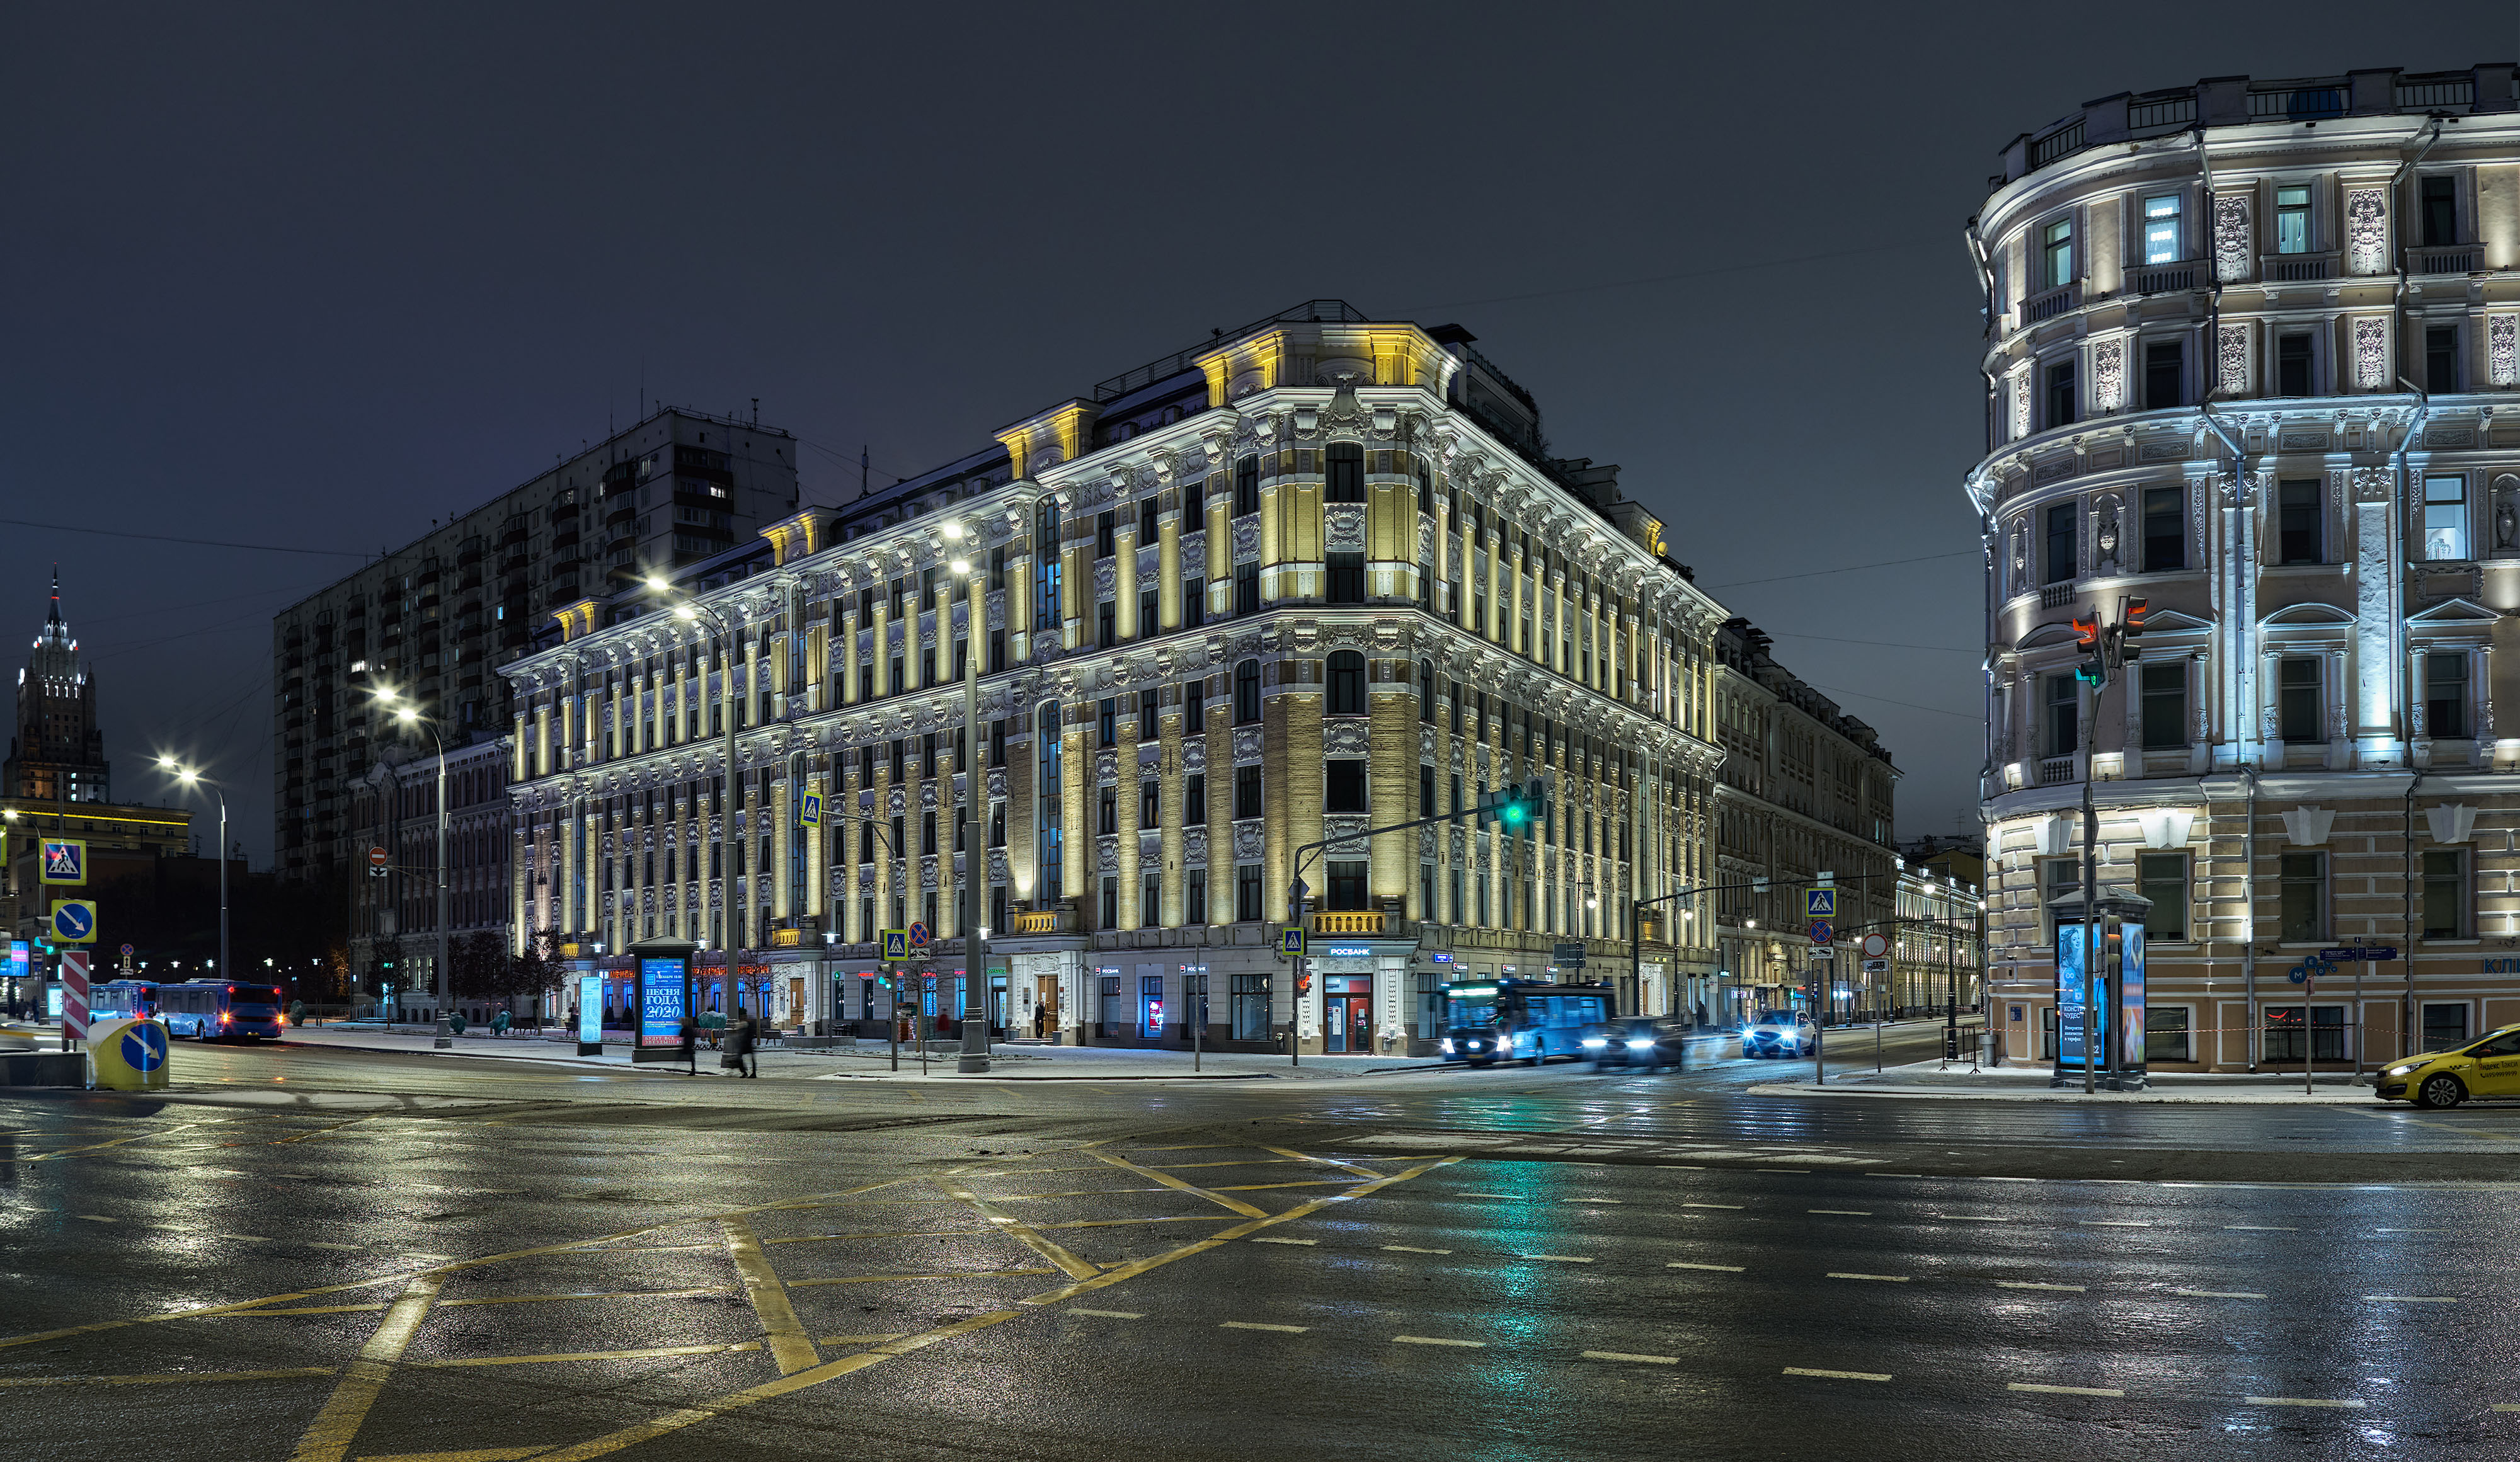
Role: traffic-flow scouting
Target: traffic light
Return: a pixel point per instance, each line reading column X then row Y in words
column 2090, row 672
column 2086, row 633
column 1304, row 982
column 1516, row 805
column 2131, row 617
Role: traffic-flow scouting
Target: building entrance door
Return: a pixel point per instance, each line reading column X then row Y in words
column 1045, row 1005
column 1347, row 1013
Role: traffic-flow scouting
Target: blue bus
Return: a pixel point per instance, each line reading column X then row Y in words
column 1486, row 1021
column 204, row 1010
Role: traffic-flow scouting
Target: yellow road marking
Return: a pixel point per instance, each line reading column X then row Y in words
column 649, row 1353
column 1326, row 1162
column 714, row 1289
column 1649, row 1360
column 905, row 1233
column 69, row 1152
column 1136, row 1268
column 800, row 1284
column 862, row 1340
column 1796, row 1371
column 325, row 1309
column 1182, row 1185
column 2063, row 1391
column 675, row 1421
column 1437, row 1340
column 327, row 1438
column 1031, row 1237
column 574, row 1246
column 789, row 1343
column 476, row 1454
column 171, row 1376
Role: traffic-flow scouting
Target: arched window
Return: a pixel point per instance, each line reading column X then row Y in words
column 1347, row 682
column 1246, row 692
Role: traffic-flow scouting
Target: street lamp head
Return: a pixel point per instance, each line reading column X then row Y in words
column 385, row 694
column 961, row 567
column 686, row 611
column 657, row 584
column 167, row 763
column 953, row 530
column 187, row 775
column 408, row 715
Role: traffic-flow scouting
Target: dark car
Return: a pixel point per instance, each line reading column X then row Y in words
column 1638, row 1041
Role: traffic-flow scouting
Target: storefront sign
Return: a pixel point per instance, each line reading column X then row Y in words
column 590, row 1009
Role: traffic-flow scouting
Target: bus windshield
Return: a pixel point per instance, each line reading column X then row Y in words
column 253, row 995
column 1471, row 1006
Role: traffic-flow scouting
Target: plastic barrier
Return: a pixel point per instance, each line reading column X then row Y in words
column 130, row 1056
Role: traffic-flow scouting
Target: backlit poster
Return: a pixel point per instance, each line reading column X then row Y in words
column 661, row 1001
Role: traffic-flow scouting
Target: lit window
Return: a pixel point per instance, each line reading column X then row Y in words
column 2292, row 220
column 2161, row 243
column 2446, row 516
column 2058, row 246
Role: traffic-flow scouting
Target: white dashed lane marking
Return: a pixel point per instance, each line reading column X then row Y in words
column 2299, row 1401
column 2064, row 1391
column 2220, row 1294
column 1718, row 1268
column 1881, row 1278
column 1110, row 1314
column 1411, row 1249
column 1796, row 1371
column 1437, row 1340
column 1630, row 1359
column 2411, row 1299
column 1557, row 1259
column 1256, row 1326
column 2024, row 1284
column 1306, row 1243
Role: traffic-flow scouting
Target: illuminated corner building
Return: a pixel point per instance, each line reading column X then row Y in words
column 429, row 618
column 55, row 749
column 1804, row 789
column 2250, row 355
column 1312, row 576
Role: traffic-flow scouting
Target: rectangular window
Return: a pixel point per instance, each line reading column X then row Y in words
column 2165, row 705
column 2061, row 541
column 1149, row 803
column 2444, row 1026
column 1150, row 1007
column 1347, row 884
column 1150, row 617
column 2283, row 1036
column 2297, row 718
column 2056, row 250
column 1344, row 475
column 1045, row 615
column 1251, row 1007
column 2165, row 531
column 1195, row 895
column 2060, row 394
column 2292, row 221
column 1246, row 791
column 2165, row 1034
column 1194, row 708
column 2444, row 895
column 2300, row 536
column 2303, row 880
column 1107, row 722
column 1149, row 521
column 2292, row 366
column 1106, row 535
column 2446, row 516
column 1246, row 893
column 1246, row 589
column 1425, row 791
column 2446, row 695
column 1343, row 790
column 1107, row 620
column 1111, row 905
column 2064, row 715
column 2161, row 240
column 2440, row 210
column 2162, row 877
column 1150, row 716
column 2441, row 359
column 1246, row 486
column 1194, row 798
column 2164, row 373
column 1193, row 603
column 1346, row 578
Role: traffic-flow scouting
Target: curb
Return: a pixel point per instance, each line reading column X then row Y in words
column 2109, row 1098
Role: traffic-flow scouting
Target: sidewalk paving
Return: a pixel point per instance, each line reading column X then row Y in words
column 2029, row 1082
column 871, row 1062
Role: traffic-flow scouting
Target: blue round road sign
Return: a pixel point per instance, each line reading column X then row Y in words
column 1821, row 932
column 919, row 936
column 144, row 1045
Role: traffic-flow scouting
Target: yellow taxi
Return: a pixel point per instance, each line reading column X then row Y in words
column 2490, row 1067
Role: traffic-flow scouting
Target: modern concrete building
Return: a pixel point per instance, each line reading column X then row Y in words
column 2250, row 357
column 1313, row 576
column 1804, row 789
column 430, row 618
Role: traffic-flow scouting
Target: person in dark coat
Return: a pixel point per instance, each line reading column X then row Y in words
column 691, row 1033
column 740, row 1034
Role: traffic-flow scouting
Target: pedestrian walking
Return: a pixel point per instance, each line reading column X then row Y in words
column 1040, row 1020
column 754, row 1028
column 691, row 1034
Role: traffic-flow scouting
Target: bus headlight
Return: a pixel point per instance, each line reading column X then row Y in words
column 1595, row 1042
column 1641, row 1046
column 1445, row 1045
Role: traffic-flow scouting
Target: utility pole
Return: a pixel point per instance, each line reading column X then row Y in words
column 2105, row 647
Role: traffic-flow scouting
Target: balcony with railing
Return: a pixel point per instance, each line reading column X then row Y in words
column 2294, row 268
column 2052, row 303
column 2166, row 279
column 2443, row 258
column 1354, row 924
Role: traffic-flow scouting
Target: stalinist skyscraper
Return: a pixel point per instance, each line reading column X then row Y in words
column 57, row 753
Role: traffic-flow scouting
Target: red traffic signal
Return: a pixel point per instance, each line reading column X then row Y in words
column 2086, row 633
column 2133, row 619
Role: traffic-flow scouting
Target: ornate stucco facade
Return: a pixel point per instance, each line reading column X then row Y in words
column 2249, row 357
column 1313, row 577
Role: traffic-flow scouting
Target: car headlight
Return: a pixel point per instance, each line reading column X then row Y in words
column 1445, row 1045
column 2408, row 1070
column 1591, row 1041
column 1641, row 1046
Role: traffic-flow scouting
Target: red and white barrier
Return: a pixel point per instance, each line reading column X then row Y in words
column 74, row 994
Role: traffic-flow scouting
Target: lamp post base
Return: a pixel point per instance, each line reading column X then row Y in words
column 971, row 1065
column 445, row 1034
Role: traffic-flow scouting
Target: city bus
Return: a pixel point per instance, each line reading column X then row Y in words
column 216, row 1010
column 1486, row 1021
column 121, row 999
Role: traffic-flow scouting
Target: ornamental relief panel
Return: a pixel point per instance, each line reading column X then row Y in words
column 2372, row 353
column 2232, row 361
column 1194, row 547
column 2367, row 229
column 2108, row 375
column 2232, row 238
column 1106, row 766
column 1194, row 755
column 1195, row 847
column 1246, row 539
column 998, row 866
column 1345, row 825
column 1247, row 744
column 1103, row 577
column 1107, row 854
column 2502, row 335
column 1343, row 527
column 1343, row 736
column 1247, row 837
column 2020, row 406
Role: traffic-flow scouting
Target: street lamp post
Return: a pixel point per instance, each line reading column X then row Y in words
column 407, row 715
column 191, row 777
column 975, row 1060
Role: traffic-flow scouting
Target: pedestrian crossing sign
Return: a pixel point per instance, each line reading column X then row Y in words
column 1820, row 902
column 896, row 944
column 1290, row 940
column 64, row 861
column 809, row 810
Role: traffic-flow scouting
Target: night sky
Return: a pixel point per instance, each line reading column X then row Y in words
column 308, row 276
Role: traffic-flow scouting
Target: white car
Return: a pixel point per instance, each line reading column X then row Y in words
column 1779, row 1032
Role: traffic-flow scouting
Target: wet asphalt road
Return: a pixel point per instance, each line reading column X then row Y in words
column 330, row 1255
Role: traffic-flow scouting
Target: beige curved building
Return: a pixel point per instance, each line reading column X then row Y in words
column 2250, row 357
